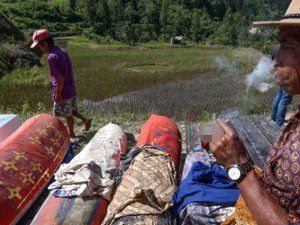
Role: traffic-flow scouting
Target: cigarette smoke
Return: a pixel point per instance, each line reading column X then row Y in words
column 261, row 78
column 223, row 63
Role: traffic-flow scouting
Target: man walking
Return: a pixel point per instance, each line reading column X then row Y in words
column 64, row 89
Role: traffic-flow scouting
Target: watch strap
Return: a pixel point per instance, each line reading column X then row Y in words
column 246, row 167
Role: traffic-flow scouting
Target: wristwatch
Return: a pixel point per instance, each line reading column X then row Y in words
column 237, row 172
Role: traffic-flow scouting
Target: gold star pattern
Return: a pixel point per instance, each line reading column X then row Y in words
column 27, row 177
column 59, row 134
column 10, row 165
column 20, row 155
column 55, row 142
column 14, row 192
column 43, row 132
column 49, row 150
column 49, row 125
column 35, row 140
column 36, row 167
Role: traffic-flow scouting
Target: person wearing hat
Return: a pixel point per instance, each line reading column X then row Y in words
column 63, row 83
column 273, row 196
column 282, row 99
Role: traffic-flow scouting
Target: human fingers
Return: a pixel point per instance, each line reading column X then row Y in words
column 217, row 149
column 212, row 146
column 227, row 130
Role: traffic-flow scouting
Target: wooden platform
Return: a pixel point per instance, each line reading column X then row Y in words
column 257, row 133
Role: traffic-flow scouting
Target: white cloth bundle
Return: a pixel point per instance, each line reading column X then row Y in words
column 92, row 171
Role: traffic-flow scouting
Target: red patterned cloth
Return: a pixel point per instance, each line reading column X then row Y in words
column 28, row 159
column 281, row 174
column 162, row 132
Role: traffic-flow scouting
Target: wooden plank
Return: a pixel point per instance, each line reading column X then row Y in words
column 192, row 137
column 257, row 145
column 188, row 138
column 238, row 126
column 269, row 129
column 257, row 133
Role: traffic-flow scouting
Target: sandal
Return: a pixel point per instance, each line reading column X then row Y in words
column 88, row 125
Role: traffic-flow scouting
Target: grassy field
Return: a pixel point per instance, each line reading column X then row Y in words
column 182, row 82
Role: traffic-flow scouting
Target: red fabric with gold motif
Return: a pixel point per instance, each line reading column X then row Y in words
column 28, row 159
column 162, row 132
column 281, row 174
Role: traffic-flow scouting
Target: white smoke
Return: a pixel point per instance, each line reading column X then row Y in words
column 262, row 76
column 224, row 63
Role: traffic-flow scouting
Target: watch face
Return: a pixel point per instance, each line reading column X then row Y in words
column 234, row 173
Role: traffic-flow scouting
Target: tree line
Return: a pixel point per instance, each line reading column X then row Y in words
column 225, row 22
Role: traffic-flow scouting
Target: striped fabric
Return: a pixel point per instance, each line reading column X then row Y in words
column 75, row 211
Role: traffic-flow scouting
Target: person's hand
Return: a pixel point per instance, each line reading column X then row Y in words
column 229, row 148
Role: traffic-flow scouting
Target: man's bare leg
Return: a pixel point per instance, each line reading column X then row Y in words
column 87, row 122
column 70, row 123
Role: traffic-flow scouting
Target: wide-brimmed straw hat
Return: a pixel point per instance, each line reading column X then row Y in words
column 290, row 18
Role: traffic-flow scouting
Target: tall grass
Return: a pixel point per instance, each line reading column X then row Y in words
column 109, row 72
column 180, row 82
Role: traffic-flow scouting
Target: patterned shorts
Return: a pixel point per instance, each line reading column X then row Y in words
column 65, row 107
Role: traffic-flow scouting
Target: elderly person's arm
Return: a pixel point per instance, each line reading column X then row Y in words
column 230, row 150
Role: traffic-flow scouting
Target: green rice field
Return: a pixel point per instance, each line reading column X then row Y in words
column 182, row 82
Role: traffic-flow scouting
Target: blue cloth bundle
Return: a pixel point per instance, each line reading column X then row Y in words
column 205, row 184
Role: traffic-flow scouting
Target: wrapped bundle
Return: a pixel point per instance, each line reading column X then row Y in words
column 145, row 193
column 87, row 182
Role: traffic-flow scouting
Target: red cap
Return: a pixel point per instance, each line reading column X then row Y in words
column 38, row 36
